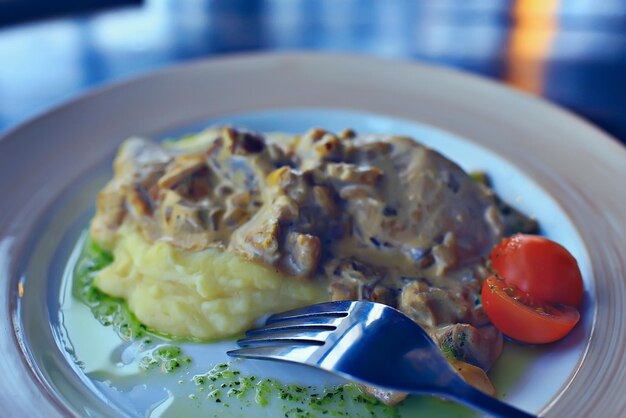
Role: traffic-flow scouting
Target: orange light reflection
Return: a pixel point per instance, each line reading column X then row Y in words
column 530, row 43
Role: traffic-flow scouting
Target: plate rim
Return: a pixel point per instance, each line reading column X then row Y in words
column 236, row 59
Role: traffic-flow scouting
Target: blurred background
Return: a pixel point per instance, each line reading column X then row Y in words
column 572, row 52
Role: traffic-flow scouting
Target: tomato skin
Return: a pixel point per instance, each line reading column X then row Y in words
column 523, row 319
column 540, row 267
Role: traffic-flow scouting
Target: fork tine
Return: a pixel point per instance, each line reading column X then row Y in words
column 333, row 309
column 291, row 336
column 289, row 353
column 311, row 323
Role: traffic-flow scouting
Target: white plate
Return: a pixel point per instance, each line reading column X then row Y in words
column 547, row 162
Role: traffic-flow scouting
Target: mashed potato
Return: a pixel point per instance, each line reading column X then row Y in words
column 206, row 294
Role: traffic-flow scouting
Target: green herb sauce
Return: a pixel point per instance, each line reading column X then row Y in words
column 226, row 385
column 109, row 311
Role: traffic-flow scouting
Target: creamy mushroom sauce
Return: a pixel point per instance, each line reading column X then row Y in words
column 374, row 217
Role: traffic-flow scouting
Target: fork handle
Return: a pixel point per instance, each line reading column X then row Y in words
column 466, row 394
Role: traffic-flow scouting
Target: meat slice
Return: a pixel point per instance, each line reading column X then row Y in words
column 424, row 198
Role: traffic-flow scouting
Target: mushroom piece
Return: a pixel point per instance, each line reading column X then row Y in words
column 433, row 306
column 343, row 290
column 387, row 397
column 478, row 346
column 302, row 254
column 242, row 142
column 180, row 170
column 473, row 375
column 110, row 212
column 139, row 202
column 353, row 174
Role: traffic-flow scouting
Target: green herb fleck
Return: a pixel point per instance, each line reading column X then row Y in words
column 169, row 358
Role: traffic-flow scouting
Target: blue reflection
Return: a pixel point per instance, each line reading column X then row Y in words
column 343, row 340
column 574, row 49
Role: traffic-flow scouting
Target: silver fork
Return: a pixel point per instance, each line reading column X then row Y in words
column 369, row 343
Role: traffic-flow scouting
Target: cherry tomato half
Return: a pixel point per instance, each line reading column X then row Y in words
column 540, row 267
column 520, row 317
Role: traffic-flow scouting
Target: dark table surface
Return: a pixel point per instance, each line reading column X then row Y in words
column 572, row 52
